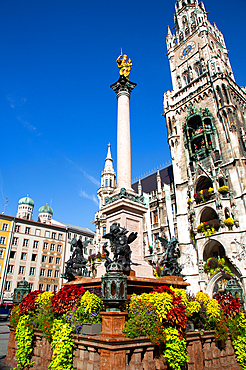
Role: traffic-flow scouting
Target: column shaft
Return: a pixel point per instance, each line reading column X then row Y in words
column 123, row 141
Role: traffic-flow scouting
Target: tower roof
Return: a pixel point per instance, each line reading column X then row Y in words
column 26, row 200
column 46, row 209
column 109, row 161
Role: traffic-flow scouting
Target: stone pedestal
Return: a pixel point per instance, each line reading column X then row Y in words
column 129, row 214
column 113, row 323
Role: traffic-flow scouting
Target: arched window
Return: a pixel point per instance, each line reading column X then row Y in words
column 227, row 213
column 186, row 77
column 184, row 22
column 220, row 96
column 225, row 93
column 170, row 126
column 198, row 69
column 106, row 182
column 203, row 183
column 221, row 182
column 110, row 183
column 181, row 36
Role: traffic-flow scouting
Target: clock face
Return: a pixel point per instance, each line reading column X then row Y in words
column 187, row 50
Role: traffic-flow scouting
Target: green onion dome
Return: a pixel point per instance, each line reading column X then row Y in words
column 46, row 209
column 26, row 200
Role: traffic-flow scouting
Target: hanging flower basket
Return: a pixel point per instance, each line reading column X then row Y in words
column 203, row 195
column 223, row 189
column 229, row 221
column 209, row 227
column 214, row 265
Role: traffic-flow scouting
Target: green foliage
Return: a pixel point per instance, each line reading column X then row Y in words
column 62, row 346
column 24, row 339
column 15, row 316
column 239, row 345
column 175, row 349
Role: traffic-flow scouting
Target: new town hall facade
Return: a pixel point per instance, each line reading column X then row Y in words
column 205, row 118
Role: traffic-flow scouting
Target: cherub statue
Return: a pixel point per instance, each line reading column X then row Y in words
column 120, row 246
column 76, row 265
column 124, row 66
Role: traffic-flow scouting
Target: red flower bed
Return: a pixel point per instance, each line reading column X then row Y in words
column 28, row 303
column 176, row 317
column 67, row 298
column 229, row 304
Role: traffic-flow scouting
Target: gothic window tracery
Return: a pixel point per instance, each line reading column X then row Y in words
column 220, row 96
column 225, row 93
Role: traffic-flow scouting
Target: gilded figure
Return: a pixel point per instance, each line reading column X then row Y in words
column 124, row 65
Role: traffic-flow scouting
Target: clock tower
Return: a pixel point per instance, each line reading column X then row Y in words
column 205, row 118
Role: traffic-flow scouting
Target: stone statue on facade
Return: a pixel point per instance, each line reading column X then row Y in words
column 76, row 265
column 119, row 246
column 168, row 261
column 124, row 65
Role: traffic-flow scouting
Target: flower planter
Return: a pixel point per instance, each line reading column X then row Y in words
column 91, row 329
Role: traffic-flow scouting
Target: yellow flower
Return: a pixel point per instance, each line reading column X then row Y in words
column 192, row 307
column 202, row 297
column 213, row 309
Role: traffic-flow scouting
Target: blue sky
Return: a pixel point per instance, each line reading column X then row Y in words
column 57, row 110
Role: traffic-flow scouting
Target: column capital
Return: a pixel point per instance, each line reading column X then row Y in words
column 123, row 85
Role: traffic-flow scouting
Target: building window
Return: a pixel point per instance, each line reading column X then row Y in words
column 32, row 271
column 49, row 274
column 42, row 272
column 69, row 235
column 23, row 256
column 44, row 258
column 45, row 246
column 27, row 230
column 12, row 254
column 1, row 253
column 52, row 247
column 86, row 250
column 31, row 286
column 5, row 227
column 156, row 240
column 10, row 269
column 60, row 236
column 21, row 270
column 53, row 235
column 15, row 241
column 48, row 288
column 35, row 244
column 17, row 228
column 37, row 232
column 7, row 285
column 57, row 260
column 2, row 240
column 104, row 230
column 155, row 216
column 55, row 288
column 25, row 243
column 51, row 259
column 56, row 273
column 59, row 248
column 47, row 234
column 34, row 257
column 41, row 287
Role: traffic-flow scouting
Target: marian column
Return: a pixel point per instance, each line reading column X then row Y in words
column 124, row 206
column 123, row 88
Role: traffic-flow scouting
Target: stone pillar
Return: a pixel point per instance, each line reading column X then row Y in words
column 123, row 89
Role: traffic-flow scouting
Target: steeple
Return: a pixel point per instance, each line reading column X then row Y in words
column 107, row 178
column 195, row 45
column 108, row 161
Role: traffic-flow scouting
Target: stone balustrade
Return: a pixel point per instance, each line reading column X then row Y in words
column 104, row 352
